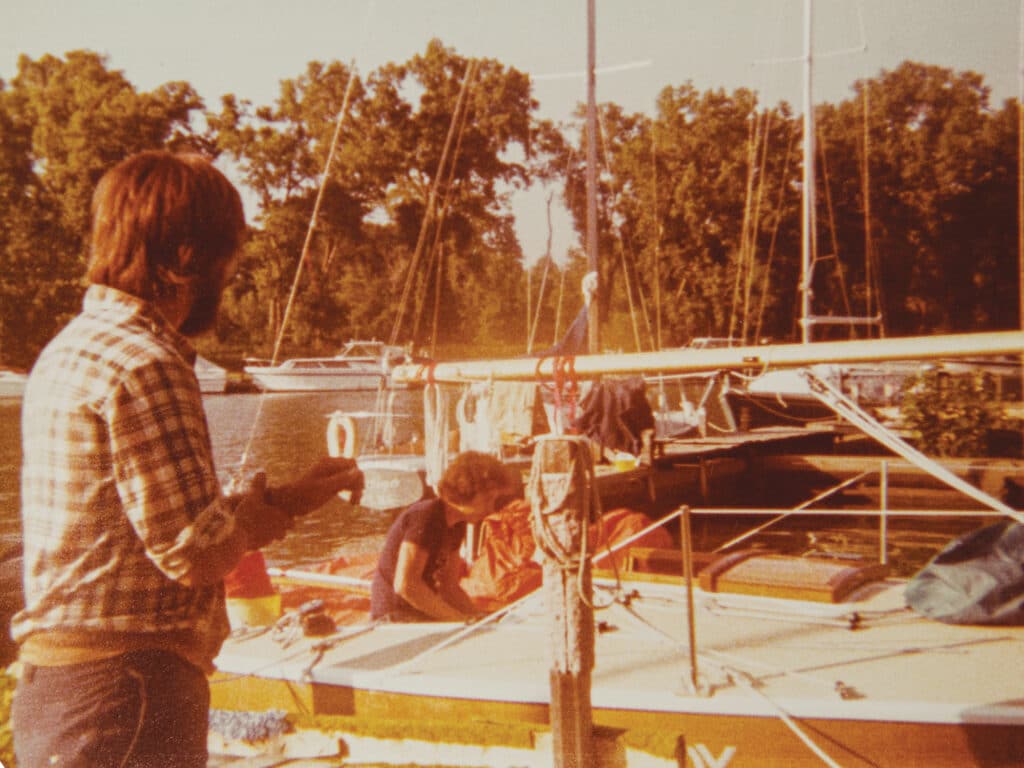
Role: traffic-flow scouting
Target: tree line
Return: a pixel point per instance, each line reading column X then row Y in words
column 413, row 238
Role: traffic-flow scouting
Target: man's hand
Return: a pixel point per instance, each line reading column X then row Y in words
column 323, row 481
column 262, row 522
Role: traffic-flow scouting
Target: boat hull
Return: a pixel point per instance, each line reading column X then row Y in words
column 361, row 365
column 708, row 739
column 12, row 385
column 275, row 381
column 213, row 384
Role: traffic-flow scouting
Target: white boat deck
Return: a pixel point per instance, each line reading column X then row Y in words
column 870, row 662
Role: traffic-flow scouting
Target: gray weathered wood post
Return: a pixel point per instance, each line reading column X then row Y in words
column 563, row 501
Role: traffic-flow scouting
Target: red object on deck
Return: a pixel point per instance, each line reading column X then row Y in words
column 249, row 578
column 504, row 569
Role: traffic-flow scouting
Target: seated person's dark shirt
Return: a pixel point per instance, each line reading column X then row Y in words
column 422, row 524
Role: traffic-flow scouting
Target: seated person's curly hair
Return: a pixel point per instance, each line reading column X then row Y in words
column 472, row 472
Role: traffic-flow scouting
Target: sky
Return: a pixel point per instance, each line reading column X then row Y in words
column 246, row 47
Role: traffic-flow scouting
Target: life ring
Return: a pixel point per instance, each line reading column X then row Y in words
column 342, row 435
column 342, row 440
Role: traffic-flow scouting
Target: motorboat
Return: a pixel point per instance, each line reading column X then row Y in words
column 360, row 365
column 784, row 397
column 211, row 377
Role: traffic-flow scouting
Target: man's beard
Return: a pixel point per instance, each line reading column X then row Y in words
column 203, row 313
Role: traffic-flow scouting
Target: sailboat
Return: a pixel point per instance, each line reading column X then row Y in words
column 746, row 658
column 768, row 660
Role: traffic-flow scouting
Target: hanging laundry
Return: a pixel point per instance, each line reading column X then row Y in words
column 614, row 415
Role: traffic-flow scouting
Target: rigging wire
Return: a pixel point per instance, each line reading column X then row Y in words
column 755, row 227
column 873, row 299
column 342, row 112
column 431, row 202
column 304, row 257
column 626, row 256
column 775, row 235
column 840, row 273
column 533, row 324
column 531, row 332
column 753, row 138
column 656, row 235
column 436, row 255
column 558, row 305
column 235, row 481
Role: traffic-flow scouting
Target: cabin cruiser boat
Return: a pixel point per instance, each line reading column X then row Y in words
column 360, row 365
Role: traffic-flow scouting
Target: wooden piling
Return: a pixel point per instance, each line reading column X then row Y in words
column 562, row 499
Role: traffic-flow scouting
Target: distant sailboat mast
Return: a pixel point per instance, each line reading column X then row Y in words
column 594, row 345
column 807, row 240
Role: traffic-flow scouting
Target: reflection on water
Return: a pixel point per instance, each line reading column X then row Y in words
column 10, row 466
column 281, row 434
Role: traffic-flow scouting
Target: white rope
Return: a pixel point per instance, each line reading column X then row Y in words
column 770, row 669
column 609, row 551
column 789, row 722
column 436, row 425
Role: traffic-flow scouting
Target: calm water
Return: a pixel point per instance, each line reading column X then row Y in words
column 287, row 433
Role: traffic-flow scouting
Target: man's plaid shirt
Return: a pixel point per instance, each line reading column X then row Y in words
column 119, row 494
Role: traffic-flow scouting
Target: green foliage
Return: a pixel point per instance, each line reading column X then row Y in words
column 7, row 685
column 371, row 246
column 481, row 733
column 63, row 122
column 942, row 193
column 673, row 194
column 951, row 415
column 700, row 209
column 699, row 205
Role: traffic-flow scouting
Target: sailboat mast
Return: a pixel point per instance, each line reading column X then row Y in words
column 591, row 244
column 807, row 200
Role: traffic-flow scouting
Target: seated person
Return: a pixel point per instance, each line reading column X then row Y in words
column 417, row 576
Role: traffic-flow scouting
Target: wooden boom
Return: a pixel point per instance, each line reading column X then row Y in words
column 687, row 360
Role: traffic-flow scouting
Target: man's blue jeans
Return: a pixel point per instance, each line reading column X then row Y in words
column 145, row 709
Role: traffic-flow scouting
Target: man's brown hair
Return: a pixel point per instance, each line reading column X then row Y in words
column 160, row 220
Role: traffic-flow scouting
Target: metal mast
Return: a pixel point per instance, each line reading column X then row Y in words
column 807, row 229
column 591, row 244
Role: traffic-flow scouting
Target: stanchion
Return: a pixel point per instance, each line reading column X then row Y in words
column 686, row 542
